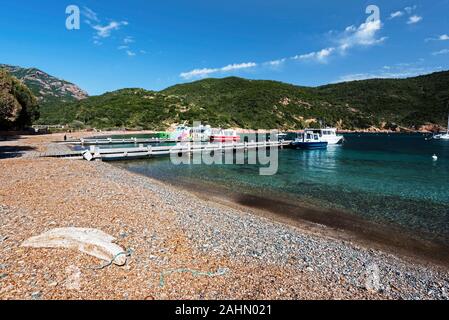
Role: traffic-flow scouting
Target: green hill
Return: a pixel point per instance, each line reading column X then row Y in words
column 133, row 108
column 411, row 102
column 236, row 102
column 263, row 104
column 408, row 102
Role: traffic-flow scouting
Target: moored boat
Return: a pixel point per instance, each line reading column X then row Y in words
column 186, row 133
column 224, row 135
column 181, row 133
column 310, row 140
column 329, row 135
column 446, row 135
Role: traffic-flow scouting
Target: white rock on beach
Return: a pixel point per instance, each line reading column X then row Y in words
column 91, row 241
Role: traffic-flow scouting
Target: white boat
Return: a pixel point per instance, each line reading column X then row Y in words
column 446, row 135
column 328, row 135
column 309, row 140
column 186, row 133
column 201, row 133
column 181, row 133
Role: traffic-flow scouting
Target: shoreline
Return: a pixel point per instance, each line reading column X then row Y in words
column 309, row 230
column 168, row 228
column 91, row 133
column 336, row 224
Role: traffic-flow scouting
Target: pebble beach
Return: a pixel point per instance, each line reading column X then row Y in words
column 180, row 246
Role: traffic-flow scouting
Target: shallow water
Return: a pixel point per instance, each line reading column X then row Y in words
column 388, row 179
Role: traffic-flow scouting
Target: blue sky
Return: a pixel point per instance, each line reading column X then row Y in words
column 155, row 44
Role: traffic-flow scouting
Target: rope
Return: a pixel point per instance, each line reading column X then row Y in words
column 195, row 273
column 127, row 253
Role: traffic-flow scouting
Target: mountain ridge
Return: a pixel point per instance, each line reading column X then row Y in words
column 45, row 87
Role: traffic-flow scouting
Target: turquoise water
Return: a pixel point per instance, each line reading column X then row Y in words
column 388, row 179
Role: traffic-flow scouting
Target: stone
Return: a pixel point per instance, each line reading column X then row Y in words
column 90, row 241
column 123, row 234
column 36, row 295
column 310, row 269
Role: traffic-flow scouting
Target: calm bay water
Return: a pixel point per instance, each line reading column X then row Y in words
column 387, row 179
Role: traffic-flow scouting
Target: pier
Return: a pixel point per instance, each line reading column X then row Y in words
column 141, row 152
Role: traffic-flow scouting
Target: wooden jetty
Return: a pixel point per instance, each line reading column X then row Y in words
column 96, row 153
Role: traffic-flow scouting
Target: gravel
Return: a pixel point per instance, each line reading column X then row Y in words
column 226, row 232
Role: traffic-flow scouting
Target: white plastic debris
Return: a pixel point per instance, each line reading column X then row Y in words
column 87, row 155
column 91, row 241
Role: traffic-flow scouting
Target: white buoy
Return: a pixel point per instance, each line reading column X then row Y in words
column 434, row 157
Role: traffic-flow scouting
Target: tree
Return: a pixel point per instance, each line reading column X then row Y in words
column 18, row 106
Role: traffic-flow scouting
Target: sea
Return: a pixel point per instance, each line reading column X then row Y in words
column 389, row 181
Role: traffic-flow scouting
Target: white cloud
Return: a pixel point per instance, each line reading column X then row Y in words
column 319, row 56
column 351, row 28
column 443, row 37
column 396, row 14
column 444, row 51
column 362, row 36
column 90, row 15
column 304, row 56
column 414, row 19
column 128, row 40
column 238, row 66
column 130, row 53
column 275, row 63
column 381, row 75
column 201, row 73
column 409, row 10
column 401, row 70
column 105, row 31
